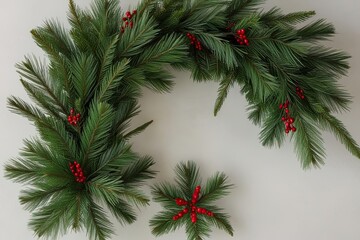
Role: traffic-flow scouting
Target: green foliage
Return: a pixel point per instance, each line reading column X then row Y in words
column 99, row 71
column 186, row 180
column 86, row 72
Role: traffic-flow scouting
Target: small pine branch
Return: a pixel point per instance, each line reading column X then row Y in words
column 105, row 189
column 138, row 130
column 20, row 107
column 215, row 188
column 97, row 224
column 143, row 32
column 138, row 172
column 123, row 212
column 96, row 131
column 223, row 90
column 308, row 142
column 187, row 177
column 332, row 124
column 184, row 206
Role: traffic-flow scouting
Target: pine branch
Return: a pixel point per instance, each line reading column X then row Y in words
column 225, row 85
column 221, row 49
column 263, row 84
column 187, row 177
column 257, row 113
column 96, row 132
column 53, row 39
column 165, row 194
column 52, row 220
column 116, row 156
column 105, row 189
column 32, row 198
column 215, row 188
column 157, row 79
column 32, row 70
column 197, row 231
column 162, row 223
column 42, row 100
column 138, row 130
column 82, row 30
column 220, row 220
column 123, row 212
column 138, row 172
column 105, row 17
column 20, row 107
column 22, row 171
column 274, row 17
column 170, row 48
column 316, row 31
column 329, row 122
column 273, row 130
column 135, row 197
column 133, row 41
column 97, row 224
column 111, row 81
column 84, row 69
column 59, row 140
column 308, row 142
column 107, row 55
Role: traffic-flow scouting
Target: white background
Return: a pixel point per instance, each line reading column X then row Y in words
column 273, row 199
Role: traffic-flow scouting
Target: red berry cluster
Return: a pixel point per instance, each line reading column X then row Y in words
column 300, row 93
column 77, row 171
column 191, row 206
column 73, row 118
column 127, row 20
column 241, row 37
column 287, row 119
column 194, row 41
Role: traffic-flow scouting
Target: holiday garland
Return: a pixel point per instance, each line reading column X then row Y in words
column 86, row 95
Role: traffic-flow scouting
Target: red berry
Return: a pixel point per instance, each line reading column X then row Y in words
column 124, row 19
column 294, row 129
column 242, row 31
column 246, row 41
column 134, row 11
column 128, row 14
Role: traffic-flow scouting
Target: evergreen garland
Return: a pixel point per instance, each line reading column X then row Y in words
column 86, row 94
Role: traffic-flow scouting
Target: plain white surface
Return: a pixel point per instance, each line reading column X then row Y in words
column 274, row 198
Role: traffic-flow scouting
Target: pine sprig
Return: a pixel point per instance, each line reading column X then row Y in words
column 180, row 201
